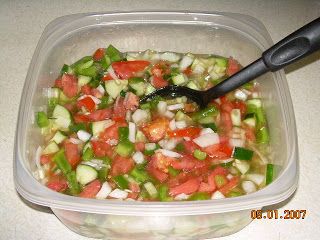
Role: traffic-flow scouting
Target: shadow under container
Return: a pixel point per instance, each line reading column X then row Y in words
column 68, row 38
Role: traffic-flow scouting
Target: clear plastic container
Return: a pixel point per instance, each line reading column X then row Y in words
column 68, row 38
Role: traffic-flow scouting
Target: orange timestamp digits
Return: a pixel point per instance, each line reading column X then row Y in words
column 276, row 214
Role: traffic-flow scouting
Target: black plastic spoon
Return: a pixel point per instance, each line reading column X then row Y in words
column 297, row 45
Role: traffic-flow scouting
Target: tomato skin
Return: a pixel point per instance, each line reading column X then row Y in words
column 119, row 110
column 131, row 101
column 220, row 171
column 69, row 85
column 135, row 189
column 158, row 82
column 230, row 185
column 139, row 146
column 189, row 147
column 153, row 167
column 111, row 133
column 233, row 66
column 100, row 115
column 57, row 183
column 187, row 187
column 156, row 130
column 101, row 149
column 58, row 83
column 72, row 153
column 107, row 77
column 225, row 121
column 121, row 165
column 44, row 159
column 91, row 190
column 88, row 103
column 191, row 132
column 127, row 69
column 86, row 89
column 187, row 162
column 95, row 92
column 188, row 71
column 98, row 54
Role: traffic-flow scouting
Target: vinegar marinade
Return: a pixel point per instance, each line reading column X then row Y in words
column 100, row 143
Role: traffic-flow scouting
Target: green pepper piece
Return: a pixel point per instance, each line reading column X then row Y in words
column 125, row 148
column 113, row 53
column 123, row 93
column 60, row 159
column 84, row 62
column 88, row 154
column 73, row 183
column 199, row 196
column 173, row 172
column 234, row 194
column 222, row 62
column 151, row 152
column 90, row 71
column 103, row 174
column 220, row 180
column 104, row 102
column 145, row 106
column 77, row 126
column 42, row 119
column 208, row 111
column 180, row 147
column 121, row 182
column 269, row 173
column 123, row 133
column 52, row 103
column 242, row 153
column 105, row 62
column 199, row 154
column 139, row 175
column 163, row 194
column 262, row 135
column 211, row 125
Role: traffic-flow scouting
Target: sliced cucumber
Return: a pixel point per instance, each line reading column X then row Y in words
column 149, row 89
column 100, row 126
column 87, row 145
column 250, row 121
column 114, row 87
column 62, row 117
column 85, row 174
column 140, row 137
column 138, row 85
column 151, row 189
column 206, row 120
column 180, row 116
column 179, row 79
column 58, row 137
column 83, row 80
column 192, row 85
column 52, row 147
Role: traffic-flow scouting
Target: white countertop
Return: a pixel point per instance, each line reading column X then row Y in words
column 22, row 22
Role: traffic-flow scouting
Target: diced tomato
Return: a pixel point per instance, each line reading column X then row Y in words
column 191, row 132
column 98, row 55
column 44, row 159
column 88, row 103
column 58, row 83
column 111, row 133
column 119, row 109
column 162, row 162
column 233, row 66
column 72, row 153
column 210, row 186
column 91, row 190
column 135, row 189
column 86, row 89
column 187, row 162
column 131, row 101
column 57, row 183
column 226, row 148
column 121, row 165
column 227, row 106
column 230, row 185
column 250, row 134
column 225, row 121
column 189, row 146
column 187, row 187
column 212, row 149
column 154, row 165
column 107, row 77
column 69, row 85
column 95, row 92
column 240, row 105
column 71, row 107
column 139, row 146
column 80, row 118
column 219, row 171
column 156, row 173
column 188, row 71
column 158, row 82
column 95, row 116
column 127, row 69
column 101, row 149
column 189, row 108
column 156, row 130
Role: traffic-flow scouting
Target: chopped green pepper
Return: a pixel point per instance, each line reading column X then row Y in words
column 269, row 173
column 139, row 175
column 163, row 194
column 208, row 111
column 73, row 183
column 199, row 154
column 262, row 135
column 125, row 148
column 42, row 119
column 77, row 126
column 213, row 126
column 103, row 174
column 88, row 154
column 180, row 147
column 60, row 159
column 242, row 153
column 173, row 172
column 113, row 53
column 199, row 196
column 121, row 182
column 123, row 133
column 220, row 180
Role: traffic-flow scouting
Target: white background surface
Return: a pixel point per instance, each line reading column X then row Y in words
column 21, row 24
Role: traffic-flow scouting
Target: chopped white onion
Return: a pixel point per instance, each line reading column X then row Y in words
column 169, row 153
column 248, row 186
column 139, row 116
column 119, row 194
column 75, row 141
column 217, row 195
column 37, row 157
column 128, row 116
column 256, row 178
column 169, row 144
column 175, row 106
column 100, row 88
column 104, row 191
column 241, row 95
column 181, row 124
column 111, row 72
column 181, row 196
column 229, row 176
column 242, row 166
column 170, row 56
column 206, row 131
column 132, row 132
column 172, row 124
column 207, row 139
column 236, row 142
column 162, row 107
column 138, row 157
column 150, row 146
column 112, row 142
column 185, row 62
column 169, row 114
column 83, row 135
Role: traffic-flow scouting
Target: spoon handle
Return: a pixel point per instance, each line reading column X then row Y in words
column 297, row 45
